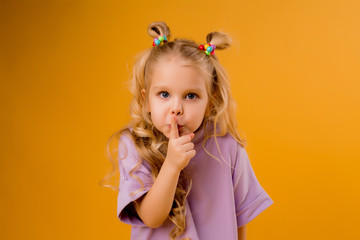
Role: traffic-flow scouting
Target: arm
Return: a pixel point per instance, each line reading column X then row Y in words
column 155, row 206
column 242, row 233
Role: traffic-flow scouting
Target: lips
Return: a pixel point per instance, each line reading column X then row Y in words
column 178, row 125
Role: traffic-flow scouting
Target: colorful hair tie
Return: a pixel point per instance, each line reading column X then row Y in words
column 208, row 48
column 159, row 40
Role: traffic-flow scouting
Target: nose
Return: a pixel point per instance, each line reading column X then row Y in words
column 177, row 108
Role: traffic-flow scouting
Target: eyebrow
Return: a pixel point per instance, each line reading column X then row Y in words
column 156, row 88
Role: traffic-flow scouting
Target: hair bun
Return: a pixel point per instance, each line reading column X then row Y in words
column 159, row 28
column 219, row 39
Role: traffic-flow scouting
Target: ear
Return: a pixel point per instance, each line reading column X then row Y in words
column 143, row 94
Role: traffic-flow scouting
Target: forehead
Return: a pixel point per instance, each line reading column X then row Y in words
column 178, row 74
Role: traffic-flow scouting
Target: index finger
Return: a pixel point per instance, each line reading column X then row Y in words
column 174, row 132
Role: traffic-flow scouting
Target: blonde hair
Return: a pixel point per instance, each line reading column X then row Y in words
column 150, row 143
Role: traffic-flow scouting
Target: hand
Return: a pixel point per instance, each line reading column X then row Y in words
column 180, row 149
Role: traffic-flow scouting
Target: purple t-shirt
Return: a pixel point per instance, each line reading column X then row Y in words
column 222, row 198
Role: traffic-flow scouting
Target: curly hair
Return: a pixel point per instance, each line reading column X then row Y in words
column 150, row 143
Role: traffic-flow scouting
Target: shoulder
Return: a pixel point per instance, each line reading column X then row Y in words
column 129, row 156
column 126, row 142
column 227, row 142
column 126, row 135
column 226, row 146
column 229, row 145
column 233, row 144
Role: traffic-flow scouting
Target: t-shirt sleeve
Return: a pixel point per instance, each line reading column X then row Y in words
column 130, row 188
column 250, row 197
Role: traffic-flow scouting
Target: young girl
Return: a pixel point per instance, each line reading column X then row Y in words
column 184, row 171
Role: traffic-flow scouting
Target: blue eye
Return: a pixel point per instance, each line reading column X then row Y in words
column 164, row 94
column 191, row 95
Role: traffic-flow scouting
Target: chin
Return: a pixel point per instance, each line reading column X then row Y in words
column 166, row 134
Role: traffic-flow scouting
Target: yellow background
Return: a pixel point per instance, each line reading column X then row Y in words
column 294, row 68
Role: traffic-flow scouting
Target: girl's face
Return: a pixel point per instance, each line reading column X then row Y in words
column 177, row 88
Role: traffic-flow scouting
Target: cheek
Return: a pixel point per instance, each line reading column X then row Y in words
column 153, row 105
column 157, row 108
column 199, row 109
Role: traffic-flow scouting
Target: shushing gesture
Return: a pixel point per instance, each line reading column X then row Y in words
column 180, row 149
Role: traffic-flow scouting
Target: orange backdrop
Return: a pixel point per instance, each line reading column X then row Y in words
column 294, row 68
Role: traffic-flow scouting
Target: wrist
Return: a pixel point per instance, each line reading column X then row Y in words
column 170, row 168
